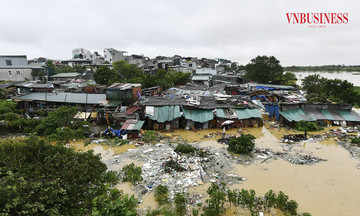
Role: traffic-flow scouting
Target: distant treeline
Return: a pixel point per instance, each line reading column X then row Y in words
column 325, row 68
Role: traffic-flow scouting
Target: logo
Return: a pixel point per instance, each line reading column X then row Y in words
column 319, row 20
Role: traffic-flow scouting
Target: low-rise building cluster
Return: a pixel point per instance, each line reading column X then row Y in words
column 213, row 99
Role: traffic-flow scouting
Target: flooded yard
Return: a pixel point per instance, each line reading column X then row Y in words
column 326, row 188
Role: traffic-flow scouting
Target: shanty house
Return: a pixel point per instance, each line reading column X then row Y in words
column 125, row 93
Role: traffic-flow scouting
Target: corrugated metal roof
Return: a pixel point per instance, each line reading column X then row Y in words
column 201, row 77
column 198, row 115
column 74, row 98
column 248, row 113
column 350, row 115
column 333, row 115
column 132, row 125
column 165, row 113
column 316, row 114
column 65, row 75
column 296, row 115
column 324, row 114
column 123, row 86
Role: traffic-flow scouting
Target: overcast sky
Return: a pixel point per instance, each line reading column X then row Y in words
column 238, row 30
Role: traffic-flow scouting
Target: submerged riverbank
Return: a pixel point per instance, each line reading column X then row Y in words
column 328, row 187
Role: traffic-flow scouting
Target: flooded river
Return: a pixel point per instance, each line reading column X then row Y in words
column 326, row 188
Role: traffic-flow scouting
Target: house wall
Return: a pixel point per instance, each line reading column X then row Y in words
column 15, row 74
column 15, row 61
column 112, row 55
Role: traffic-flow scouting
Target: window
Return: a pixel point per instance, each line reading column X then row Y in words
column 9, row 72
column 8, row 62
column 17, row 72
column 190, row 65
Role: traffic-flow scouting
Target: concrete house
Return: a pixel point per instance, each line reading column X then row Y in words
column 14, row 68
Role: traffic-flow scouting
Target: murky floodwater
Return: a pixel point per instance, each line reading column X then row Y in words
column 326, row 188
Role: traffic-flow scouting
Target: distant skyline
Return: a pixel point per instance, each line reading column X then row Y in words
column 238, row 30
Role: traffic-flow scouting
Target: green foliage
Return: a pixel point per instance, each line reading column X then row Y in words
column 132, row 173
column 3, row 94
column 37, row 178
column 180, row 204
column 114, row 203
column 320, row 89
column 242, row 145
column 150, row 136
column 162, row 195
column 59, row 118
column 307, row 126
column 163, row 212
column 265, row 69
column 103, row 75
column 215, row 204
column 355, row 140
column 130, row 73
column 60, row 126
column 185, row 148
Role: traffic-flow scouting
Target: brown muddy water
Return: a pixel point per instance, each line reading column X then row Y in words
column 327, row 188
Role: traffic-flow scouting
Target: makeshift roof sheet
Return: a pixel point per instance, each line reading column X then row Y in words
column 333, row 115
column 74, row 98
column 269, row 86
column 113, row 103
column 132, row 125
column 132, row 110
column 296, row 115
column 201, row 77
column 198, row 115
column 165, row 113
column 226, row 113
column 65, row 75
column 248, row 113
column 123, row 86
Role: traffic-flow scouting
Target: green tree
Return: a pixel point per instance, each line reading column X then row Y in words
column 242, row 145
column 215, row 204
column 50, row 67
column 37, row 178
column 132, row 173
column 62, row 117
column 320, row 89
column 103, row 75
column 264, row 69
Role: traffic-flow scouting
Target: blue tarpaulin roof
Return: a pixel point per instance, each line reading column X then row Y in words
column 165, row 113
column 198, row 115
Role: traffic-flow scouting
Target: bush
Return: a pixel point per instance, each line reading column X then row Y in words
column 161, row 194
column 132, row 173
column 308, row 126
column 242, row 145
column 185, row 148
column 150, row 136
column 355, row 140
